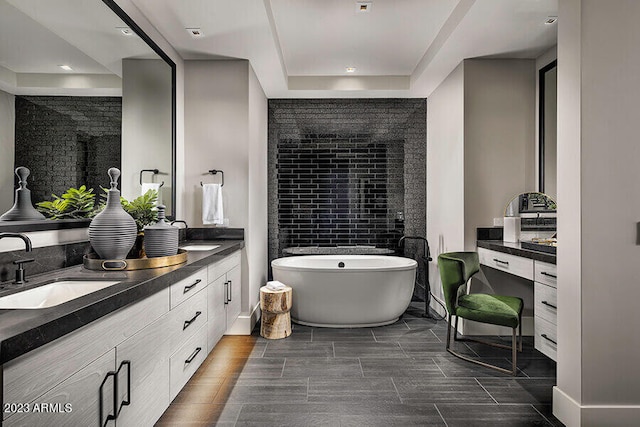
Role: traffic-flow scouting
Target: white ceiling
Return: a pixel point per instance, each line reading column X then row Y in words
column 401, row 48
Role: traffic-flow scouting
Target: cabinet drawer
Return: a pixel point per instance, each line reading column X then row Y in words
column 221, row 267
column 516, row 265
column 186, row 360
column 546, row 337
column 186, row 319
column 186, row 288
column 546, row 273
column 546, row 303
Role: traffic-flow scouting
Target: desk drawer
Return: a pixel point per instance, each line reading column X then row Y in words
column 186, row 319
column 546, row 302
column 186, row 360
column 546, row 273
column 546, row 337
column 221, row 267
column 515, row 265
column 188, row 287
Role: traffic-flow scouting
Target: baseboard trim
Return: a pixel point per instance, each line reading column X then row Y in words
column 245, row 322
column 572, row 414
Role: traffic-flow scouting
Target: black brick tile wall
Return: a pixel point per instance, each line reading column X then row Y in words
column 67, row 141
column 340, row 170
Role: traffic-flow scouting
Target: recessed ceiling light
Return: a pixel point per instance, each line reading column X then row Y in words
column 66, row 67
column 126, row 31
column 551, row 20
column 195, row 32
column 350, row 69
column 363, row 6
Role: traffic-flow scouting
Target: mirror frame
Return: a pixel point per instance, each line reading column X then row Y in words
column 30, row 226
column 541, row 115
column 140, row 32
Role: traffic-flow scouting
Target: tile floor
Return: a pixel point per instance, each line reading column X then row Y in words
column 396, row 375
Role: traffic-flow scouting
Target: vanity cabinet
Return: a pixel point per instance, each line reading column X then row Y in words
column 223, row 296
column 125, row 368
column 546, row 309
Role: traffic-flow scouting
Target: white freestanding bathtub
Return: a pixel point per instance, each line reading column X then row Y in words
column 347, row 291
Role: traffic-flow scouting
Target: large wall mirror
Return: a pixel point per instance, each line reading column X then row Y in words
column 83, row 89
column 548, row 115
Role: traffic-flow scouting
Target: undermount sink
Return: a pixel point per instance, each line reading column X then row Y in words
column 199, row 247
column 52, row 294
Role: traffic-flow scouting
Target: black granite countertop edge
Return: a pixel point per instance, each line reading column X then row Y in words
column 515, row 249
column 24, row 330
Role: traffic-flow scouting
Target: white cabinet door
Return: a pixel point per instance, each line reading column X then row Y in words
column 234, row 282
column 143, row 375
column 217, row 312
column 75, row 401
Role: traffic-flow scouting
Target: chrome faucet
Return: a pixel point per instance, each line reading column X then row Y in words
column 20, row 271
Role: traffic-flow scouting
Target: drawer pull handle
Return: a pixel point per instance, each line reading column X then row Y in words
column 226, row 293
column 126, row 401
column 115, row 399
column 544, row 273
column 193, row 319
column 500, row 261
column 188, row 288
column 230, row 289
column 193, row 355
column 549, row 305
column 548, row 339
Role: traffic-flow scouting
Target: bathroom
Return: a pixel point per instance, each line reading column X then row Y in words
column 229, row 83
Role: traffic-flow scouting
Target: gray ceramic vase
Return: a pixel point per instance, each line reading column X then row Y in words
column 160, row 239
column 22, row 209
column 113, row 231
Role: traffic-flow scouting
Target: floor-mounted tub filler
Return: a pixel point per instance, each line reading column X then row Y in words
column 347, row 291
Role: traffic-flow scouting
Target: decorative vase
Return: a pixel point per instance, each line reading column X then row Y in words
column 113, row 231
column 22, row 209
column 160, row 239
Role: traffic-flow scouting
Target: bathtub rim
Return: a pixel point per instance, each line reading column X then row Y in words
column 412, row 264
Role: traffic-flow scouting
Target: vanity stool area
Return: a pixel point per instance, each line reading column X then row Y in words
column 540, row 269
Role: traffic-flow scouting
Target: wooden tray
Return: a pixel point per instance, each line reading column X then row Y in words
column 91, row 262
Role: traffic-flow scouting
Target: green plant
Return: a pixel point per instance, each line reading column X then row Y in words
column 142, row 208
column 75, row 203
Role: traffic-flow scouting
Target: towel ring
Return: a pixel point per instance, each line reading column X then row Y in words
column 155, row 172
column 215, row 172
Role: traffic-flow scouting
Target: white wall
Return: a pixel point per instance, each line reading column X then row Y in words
column 499, row 138
column 445, row 171
column 7, row 149
column 226, row 128
column 256, row 233
column 598, row 89
column 146, row 126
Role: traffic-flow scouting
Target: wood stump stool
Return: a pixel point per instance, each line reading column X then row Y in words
column 276, row 319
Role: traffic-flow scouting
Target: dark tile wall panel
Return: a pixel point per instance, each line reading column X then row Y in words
column 340, row 170
column 67, row 141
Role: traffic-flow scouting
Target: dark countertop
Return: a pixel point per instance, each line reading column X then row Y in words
column 516, row 249
column 24, row 330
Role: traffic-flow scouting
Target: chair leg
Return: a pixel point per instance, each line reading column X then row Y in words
column 520, row 327
column 514, row 351
column 478, row 362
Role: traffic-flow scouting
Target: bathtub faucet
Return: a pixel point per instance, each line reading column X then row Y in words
column 426, row 252
column 425, row 258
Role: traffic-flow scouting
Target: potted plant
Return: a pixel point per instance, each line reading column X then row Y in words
column 75, row 203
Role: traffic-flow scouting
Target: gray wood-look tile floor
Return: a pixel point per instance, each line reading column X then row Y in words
column 396, row 375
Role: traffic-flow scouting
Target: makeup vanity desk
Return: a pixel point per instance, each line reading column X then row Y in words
column 540, row 268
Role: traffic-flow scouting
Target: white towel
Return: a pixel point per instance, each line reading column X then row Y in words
column 212, row 212
column 275, row 285
column 146, row 186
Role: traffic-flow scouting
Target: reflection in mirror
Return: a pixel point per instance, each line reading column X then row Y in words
column 81, row 92
column 537, row 217
column 548, row 129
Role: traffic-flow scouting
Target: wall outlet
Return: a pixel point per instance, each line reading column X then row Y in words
column 498, row 222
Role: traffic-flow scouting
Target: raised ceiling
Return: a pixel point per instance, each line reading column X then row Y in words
column 400, row 48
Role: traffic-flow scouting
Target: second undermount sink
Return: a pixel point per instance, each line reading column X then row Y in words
column 52, row 294
column 199, row 247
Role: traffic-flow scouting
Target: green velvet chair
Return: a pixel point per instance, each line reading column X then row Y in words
column 456, row 269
